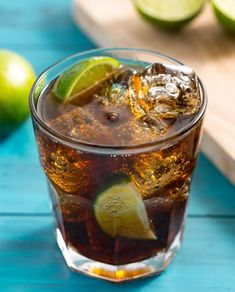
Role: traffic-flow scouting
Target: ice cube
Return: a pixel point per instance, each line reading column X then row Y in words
column 172, row 90
column 164, row 92
column 107, row 124
column 83, row 125
column 153, row 171
column 117, row 95
column 133, row 132
column 169, row 70
column 115, row 91
column 66, row 169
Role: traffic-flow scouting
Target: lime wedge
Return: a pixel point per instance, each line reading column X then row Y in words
column 120, row 211
column 225, row 13
column 82, row 76
column 170, row 14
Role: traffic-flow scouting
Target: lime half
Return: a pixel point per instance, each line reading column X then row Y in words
column 79, row 78
column 120, row 211
column 170, row 14
column 225, row 12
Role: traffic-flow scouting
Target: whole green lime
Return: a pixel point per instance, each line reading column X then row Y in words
column 16, row 79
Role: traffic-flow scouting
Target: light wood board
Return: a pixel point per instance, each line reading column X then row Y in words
column 203, row 45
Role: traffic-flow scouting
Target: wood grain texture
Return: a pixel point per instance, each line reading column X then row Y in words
column 202, row 45
column 31, row 261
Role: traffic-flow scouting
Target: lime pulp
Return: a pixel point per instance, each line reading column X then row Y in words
column 225, row 13
column 120, row 211
column 170, row 14
column 82, row 76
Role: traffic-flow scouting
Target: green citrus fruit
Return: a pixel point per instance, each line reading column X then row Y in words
column 225, row 13
column 120, row 211
column 16, row 79
column 169, row 14
column 82, row 76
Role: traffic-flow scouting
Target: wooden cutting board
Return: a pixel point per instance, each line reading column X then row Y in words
column 203, row 45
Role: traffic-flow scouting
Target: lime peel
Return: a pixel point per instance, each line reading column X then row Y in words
column 82, row 76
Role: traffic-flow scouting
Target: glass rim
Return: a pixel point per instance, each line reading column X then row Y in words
column 86, row 145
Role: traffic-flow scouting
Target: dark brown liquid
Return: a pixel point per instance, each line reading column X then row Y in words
column 112, row 117
column 76, row 178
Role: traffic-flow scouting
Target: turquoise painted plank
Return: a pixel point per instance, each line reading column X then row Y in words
column 31, row 261
column 39, row 14
column 212, row 193
column 39, row 23
column 39, row 39
column 23, row 188
column 43, row 58
column 20, row 144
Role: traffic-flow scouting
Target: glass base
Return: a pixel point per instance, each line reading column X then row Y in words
column 117, row 274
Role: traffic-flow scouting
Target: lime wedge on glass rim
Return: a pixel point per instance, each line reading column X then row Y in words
column 84, row 75
column 225, row 13
column 169, row 14
column 120, row 211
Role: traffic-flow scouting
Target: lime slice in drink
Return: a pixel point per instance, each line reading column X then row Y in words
column 225, row 12
column 82, row 76
column 120, row 211
column 170, row 14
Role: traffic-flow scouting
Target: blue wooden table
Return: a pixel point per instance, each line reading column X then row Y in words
column 42, row 31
